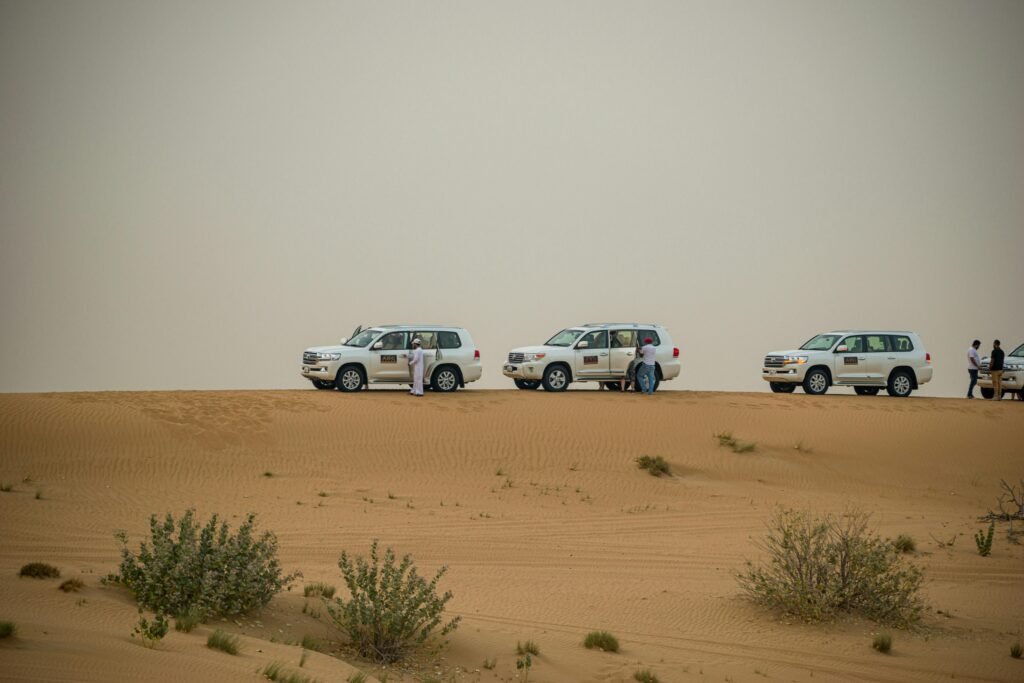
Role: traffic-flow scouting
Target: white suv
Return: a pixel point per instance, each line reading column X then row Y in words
column 1013, row 375
column 381, row 355
column 594, row 352
column 866, row 361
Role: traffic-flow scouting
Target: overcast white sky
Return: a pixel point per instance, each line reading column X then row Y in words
column 191, row 193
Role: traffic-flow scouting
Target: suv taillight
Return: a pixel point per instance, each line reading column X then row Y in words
column 928, row 357
column 675, row 352
column 476, row 355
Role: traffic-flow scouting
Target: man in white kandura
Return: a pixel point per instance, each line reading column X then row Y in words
column 416, row 364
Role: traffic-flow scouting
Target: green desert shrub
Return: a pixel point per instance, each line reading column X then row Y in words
column 645, row 676
column 1015, row 649
column 310, row 643
column 984, row 541
column 39, row 570
column 7, row 629
column 150, row 631
column 818, row 567
column 882, row 642
column 904, row 544
column 655, row 465
column 225, row 642
column 316, row 590
column 189, row 620
column 527, row 648
column 392, row 609
column 602, row 640
column 72, row 586
column 357, row 677
column 184, row 567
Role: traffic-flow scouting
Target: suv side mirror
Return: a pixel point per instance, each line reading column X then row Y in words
column 583, row 345
column 842, row 348
column 378, row 346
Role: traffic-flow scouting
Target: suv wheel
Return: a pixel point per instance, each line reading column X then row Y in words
column 816, row 382
column 350, row 378
column 527, row 384
column 900, row 384
column 445, row 379
column 556, row 378
column 321, row 384
column 987, row 393
column 782, row 387
column 866, row 391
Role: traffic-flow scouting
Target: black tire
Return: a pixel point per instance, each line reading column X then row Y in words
column 816, row 382
column 866, row 391
column 323, row 384
column 556, row 378
column 350, row 378
column 782, row 387
column 987, row 393
column 901, row 384
column 445, row 379
column 527, row 384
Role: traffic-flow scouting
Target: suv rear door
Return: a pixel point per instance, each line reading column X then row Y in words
column 878, row 358
column 592, row 361
column 622, row 351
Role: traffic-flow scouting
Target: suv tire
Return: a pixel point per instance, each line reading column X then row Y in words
column 816, row 382
column 900, row 384
column 527, row 384
column 556, row 378
column 445, row 379
column 350, row 378
column 782, row 387
column 866, row 391
column 987, row 393
column 322, row 384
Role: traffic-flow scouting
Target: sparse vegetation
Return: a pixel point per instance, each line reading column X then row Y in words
column 225, row 642
column 39, row 570
column 150, row 631
column 357, row 677
column 489, row 664
column 645, row 676
column 72, row 586
column 727, row 440
column 527, row 648
column 189, row 620
column 523, row 665
column 310, row 643
column 656, row 465
column 601, row 640
column 820, row 566
column 904, row 544
column 318, row 589
column 7, row 629
column 392, row 609
column 275, row 671
column 268, row 474
column 39, row 494
column 6, row 488
column 984, row 541
column 882, row 642
column 1015, row 649
column 183, row 567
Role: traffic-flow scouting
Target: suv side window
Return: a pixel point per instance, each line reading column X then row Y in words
column 902, row 344
column 854, row 344
column 395, row 341
column 597, row 339
column 644, row 334
column 877, row 343
column 623, row 339
column 428, row 340
column 449, row 340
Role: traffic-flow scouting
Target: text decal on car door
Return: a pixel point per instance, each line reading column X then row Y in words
column 849, row 360
column 389, row 359
column 590, row 360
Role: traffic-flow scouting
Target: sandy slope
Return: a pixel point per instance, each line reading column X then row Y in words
column 569, row 538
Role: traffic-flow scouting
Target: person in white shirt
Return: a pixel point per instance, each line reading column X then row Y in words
column 416, row 365
column 646, row 374
column 973, row 365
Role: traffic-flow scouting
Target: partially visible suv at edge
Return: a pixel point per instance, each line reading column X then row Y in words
column 868, row 361
column 380, row 355
column 1013, row 375
column 594, row 352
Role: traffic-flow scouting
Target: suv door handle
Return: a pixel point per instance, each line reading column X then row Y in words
column 605, row 353
column 892, row 357
column 862, row 357
column 629, row 353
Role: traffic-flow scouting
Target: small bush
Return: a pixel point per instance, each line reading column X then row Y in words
column 727, row 440
column 818, row 567
column 189, row 620
column 602, row 640
column 6, row 488
column 225, row 642
column 310, row 643
column 7, row 629
column 275, row 671
column 357, row 677
column 983, row 541
column 392, row 609
column 527, row 648
column 1015, row 649
column 645, row 676
column 316, row 590
column 490, row 663
column 40, row 570
column 904, row 544
column 72, row 586
column 150, row 631
column 656, row 465
column 882, row 643
column 183, row 567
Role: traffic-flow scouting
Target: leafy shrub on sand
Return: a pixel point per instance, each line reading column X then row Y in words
column 39, row 570
column 150, row 631
column 882, row 642
column 602, row 640
column 72, row 586
column 316, row 590
column 275, row 671
column 310, row 643
column 357, row 677
column 225, row 642
column 904, row 544
column 7, row 629
column 645, row 676
column 656, row 465
column 189, row 620
column 983, row 541
column 1015, row 649
column 393, row 609
column 727, row 440
column 527, row 648
column 183, row 568
column 818, row 567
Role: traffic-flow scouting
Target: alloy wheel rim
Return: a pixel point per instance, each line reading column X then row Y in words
column 557, row 379
column 902, row 385
column 350, row 379
column 818, row 382
column 446, row 380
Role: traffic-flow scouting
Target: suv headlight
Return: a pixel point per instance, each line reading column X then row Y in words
column 1014, row 366
column 530, row 357
column 799, row 360
column 328, row 356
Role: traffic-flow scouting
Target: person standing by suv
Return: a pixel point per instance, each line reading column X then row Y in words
column 995, row 366
column 973, row 365
column 646, row 374
column 416, row 362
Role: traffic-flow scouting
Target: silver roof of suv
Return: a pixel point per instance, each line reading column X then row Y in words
column 599, row 325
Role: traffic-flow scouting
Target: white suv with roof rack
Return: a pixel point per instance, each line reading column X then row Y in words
column 1013, row 375
column 594, row 352
column 868, row 361
column 380, row 355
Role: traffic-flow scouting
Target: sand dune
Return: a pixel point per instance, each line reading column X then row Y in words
column 534, row 502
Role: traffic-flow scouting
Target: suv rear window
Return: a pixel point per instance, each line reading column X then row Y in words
column 449, row 340
column 644, row 334
column 902, row 344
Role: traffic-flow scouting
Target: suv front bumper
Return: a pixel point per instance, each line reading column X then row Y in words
column 793, row 374
column 1013, row 380
column 324, row 373
column 533, row 371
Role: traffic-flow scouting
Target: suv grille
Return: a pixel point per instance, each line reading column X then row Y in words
column 309, row 358
column 984, row 365
column 516, row 357
column 774, row 361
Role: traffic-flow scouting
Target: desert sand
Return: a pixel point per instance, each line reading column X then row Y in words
column 535, row 504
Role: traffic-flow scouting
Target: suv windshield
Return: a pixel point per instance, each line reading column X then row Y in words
column 1018, row 352
column 564, row 338
column 363, row 339
column 823, row 342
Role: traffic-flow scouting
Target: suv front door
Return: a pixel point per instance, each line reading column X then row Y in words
column 592, row 359
column 850, row 360
column 389, row 358
column 622, row 351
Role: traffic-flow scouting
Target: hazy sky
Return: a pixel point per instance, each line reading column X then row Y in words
column 191, row 193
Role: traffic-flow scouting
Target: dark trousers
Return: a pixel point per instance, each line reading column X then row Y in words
column 974, row 380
